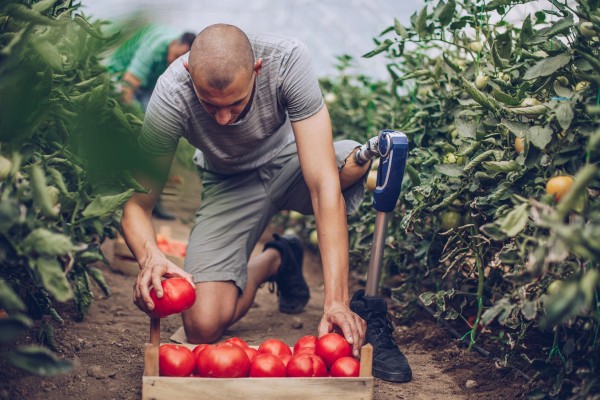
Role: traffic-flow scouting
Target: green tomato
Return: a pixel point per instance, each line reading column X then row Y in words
column 313, row 238
column 451, row 220
column 555, row 287
column 481, row 82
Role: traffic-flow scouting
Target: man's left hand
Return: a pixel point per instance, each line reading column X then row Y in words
column 353, row 327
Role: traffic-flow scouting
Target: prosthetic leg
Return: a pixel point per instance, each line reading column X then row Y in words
column 388, row 361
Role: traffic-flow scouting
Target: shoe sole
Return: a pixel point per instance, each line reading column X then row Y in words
column 390, row 377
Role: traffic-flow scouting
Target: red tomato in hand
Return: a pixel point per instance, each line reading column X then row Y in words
column 225, row 360
column 285, row 358
column 178, row 295
column 237, row 341
column 305, row 341
column 345, row 367
column 306, row 365
column 266, row 365
column 251, row 352
column 275, row 347
column 332, row 346
column 175, row 360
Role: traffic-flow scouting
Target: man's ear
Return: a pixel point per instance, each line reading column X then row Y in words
column 258, row 65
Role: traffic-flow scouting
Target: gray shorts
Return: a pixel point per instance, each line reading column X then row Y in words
column 236, row 209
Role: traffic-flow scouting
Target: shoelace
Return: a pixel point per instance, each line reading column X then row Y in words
column 382, row 328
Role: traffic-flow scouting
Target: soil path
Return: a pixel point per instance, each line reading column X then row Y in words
column 108, row 345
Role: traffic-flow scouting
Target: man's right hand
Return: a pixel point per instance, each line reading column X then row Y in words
column 153, row 269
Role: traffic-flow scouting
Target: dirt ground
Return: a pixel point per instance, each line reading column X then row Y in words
column 107, row 346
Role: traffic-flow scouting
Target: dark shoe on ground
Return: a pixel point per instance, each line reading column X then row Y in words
column 160, row 212
column 292, row 289
column 389, row 363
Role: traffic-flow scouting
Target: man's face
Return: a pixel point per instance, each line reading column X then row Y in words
column 226, row 105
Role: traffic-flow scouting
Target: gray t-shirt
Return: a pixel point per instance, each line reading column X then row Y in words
column 287, row 89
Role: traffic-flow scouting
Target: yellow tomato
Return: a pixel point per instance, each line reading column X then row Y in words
column 519, row 144
column 558, row 186
column 372, row 180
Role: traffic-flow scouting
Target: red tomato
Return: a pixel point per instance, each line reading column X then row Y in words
column 175, row 360
column 305, row 350
column 251, row 352
column 196, row 352
column 178, row 295
column 306, row 365
column 224, row 360
column 345, row 367
column 285, row 358
column 332, row 346
column 237, row 341
column 305, row 341
column 275, row 347
column 266, row 365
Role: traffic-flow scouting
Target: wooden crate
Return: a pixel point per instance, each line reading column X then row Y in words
column 168, row 388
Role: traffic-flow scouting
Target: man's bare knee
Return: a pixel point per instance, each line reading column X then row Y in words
column 203, row 330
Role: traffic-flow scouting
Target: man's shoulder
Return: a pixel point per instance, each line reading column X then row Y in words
column 274, row 45
column 175, row 82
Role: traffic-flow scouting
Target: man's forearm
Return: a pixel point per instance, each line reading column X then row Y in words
column 332, row 229
column 139, row 232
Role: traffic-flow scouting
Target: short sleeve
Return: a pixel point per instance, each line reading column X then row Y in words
column 162, row 126
column 299, row 84
column 145, row 57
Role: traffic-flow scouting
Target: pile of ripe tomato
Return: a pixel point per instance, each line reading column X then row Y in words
column 330, row 355
column 170, row 246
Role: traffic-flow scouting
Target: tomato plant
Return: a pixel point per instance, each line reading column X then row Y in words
column 178, row 295
column 306, row 365
column 175, row 360
column 266, row 365
column 332, row 346
column 345, row 367
column 225, row 360
column 275, row 347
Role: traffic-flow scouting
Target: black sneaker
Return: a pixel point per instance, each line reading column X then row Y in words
column 389, row 363
column 292, row 289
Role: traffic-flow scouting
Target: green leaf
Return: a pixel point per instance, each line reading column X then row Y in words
column 503, row 45
column 561, row 26
column 452, row 65
column 564, row 115
column 526, row 31
column 44, row 242
column 465, row 127
column 501, row 166
column 379, row 49
column 447, row 12
column 13, row 327
column 103, row 206
column 452, row 170
column 399, row 29
column 9, row 300
column 539, row 136
column 421, row 23
column 49, row 53
column 98, row 277
column 53, row 278
column 38, row 361
column 547, row 66
column 427, row 298
column 515, row 221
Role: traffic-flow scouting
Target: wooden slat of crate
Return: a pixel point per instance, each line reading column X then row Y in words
column 167, row 388
column 154, row 387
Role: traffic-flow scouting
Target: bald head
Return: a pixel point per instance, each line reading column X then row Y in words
column 219, row 54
